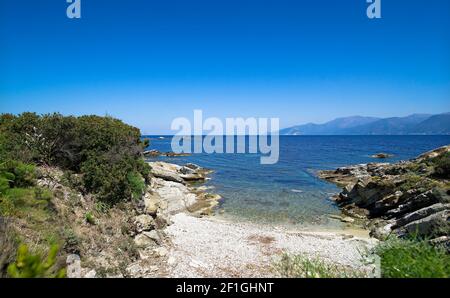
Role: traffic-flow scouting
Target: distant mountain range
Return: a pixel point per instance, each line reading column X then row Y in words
column 416, row 124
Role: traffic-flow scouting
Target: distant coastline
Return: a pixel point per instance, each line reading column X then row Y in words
column 415, row 124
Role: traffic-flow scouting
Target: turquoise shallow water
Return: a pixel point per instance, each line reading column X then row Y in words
column 289, row 193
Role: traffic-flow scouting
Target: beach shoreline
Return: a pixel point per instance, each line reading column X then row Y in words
column 199, row 244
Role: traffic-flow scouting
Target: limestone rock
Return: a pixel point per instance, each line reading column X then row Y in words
column 430, row 225
column 152, row 201
column 162, row 220
column 399, row 198
column 434, row 153
column 381, row 229
column 153, row 235
column 347, row 219
column 192, row 166
column 73, row 263
column 91, row 274
column 421, row 213
column 177, row 196
column 143, row 241
column 143, row 222
column 161, row 251
column 166, row 171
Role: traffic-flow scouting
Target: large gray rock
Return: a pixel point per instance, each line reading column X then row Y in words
column 404, row 198
column 143, row 241
column 432, row 225
column 153, row 235
column 366, row 193
column 388, row 201
column 152, row 202
column 381, row 229
column 192, row 166
column 162, row 220
column 176, row 173
column 177, row 196
column 166, row 171
column 413, row 203
column 421, row 213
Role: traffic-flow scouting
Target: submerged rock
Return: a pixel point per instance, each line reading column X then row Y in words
column 382, row 155
column 156, row 153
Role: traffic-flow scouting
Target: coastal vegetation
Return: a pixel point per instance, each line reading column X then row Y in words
column 94, row 156
column 412, row 258
column 301, row 266
column 105, row 152
column 28, row 265
column 76, row 198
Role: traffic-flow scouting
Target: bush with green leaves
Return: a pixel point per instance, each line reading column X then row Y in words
column 16, row 174
column 442, row 166
column 413, row 258
column 90, row 219
column 137, row 184
column 105, row 151
column 28, row 265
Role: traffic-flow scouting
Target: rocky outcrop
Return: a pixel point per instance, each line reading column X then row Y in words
column 382, row 155
column 169, row 192
column 403, row 198
column 127, row 240
column 178, row 174
column 156, row 153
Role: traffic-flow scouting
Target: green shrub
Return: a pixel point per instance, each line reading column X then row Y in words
column 105, row 151
column 102, row 207
column 43, row 194
column 442, row 166
column 108, row 178
column 8, row 245
column 25, row 175
column 17, row 174
column 23, row 202
column 90, row 219
column 28, row 265
column 4, row 184
column 6, row 178
column 71, row 241
column 412, row 258
column 137, row 184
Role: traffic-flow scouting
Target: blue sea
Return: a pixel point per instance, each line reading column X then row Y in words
column 288, row 192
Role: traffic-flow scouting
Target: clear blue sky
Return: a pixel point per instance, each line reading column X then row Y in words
column 148, row 61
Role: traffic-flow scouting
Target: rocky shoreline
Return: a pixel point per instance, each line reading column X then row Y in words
column 169, row 232
column 174, row 228
column 405, row 198
column 175, row 236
